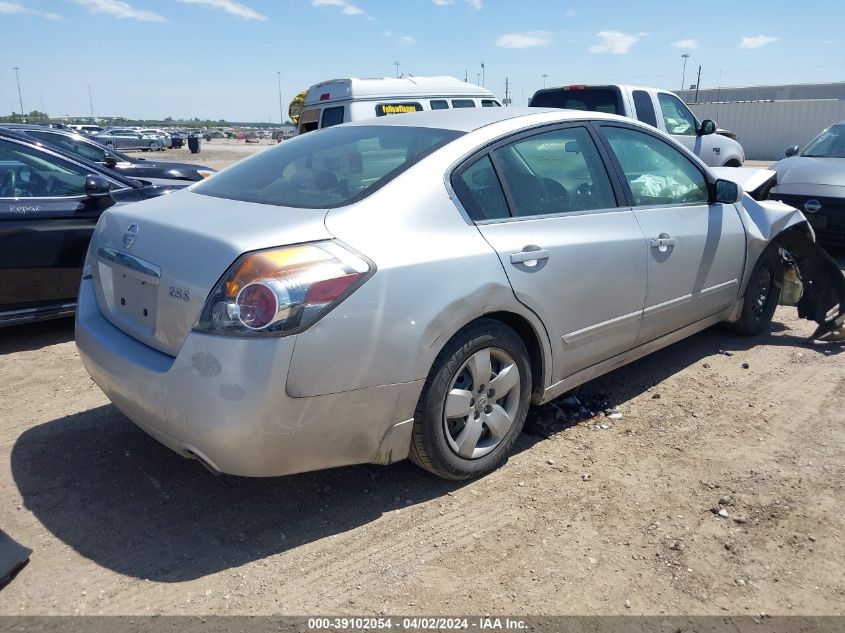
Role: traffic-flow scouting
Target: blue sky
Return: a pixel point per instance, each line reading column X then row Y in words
column 219, row 58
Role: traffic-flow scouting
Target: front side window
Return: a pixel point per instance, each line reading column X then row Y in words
column 645, row 108
column 479, row 190
column 656, row 172
column 332, row 116
column 554, row 172
column 329, row 168
column 463, row 103
column 676, row 116
column 28, row 173
column 309, row 120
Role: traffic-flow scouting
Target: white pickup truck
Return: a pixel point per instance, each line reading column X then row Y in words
column 659, row 108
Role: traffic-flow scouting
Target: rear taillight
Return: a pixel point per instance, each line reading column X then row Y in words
column 283, row 290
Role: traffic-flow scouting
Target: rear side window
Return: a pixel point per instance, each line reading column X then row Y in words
column 439, row 104
column 68, row 143
column 463, row 103
column 489, row 103
column 645, row 107
column 590, row 99
column 479, row 190
column 384, row 109
column 332, row 116
column 554, row 172
column 329, row 168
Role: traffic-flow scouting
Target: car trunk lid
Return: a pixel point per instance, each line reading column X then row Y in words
column 155, row 262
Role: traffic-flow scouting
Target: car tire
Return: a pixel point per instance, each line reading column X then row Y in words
column 761, row 295
column 463, row 428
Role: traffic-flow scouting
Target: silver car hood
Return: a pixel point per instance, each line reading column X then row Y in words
column 190, row 240
column 801, row 170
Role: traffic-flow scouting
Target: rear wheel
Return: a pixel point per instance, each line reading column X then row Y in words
column 762, row 294
column 474, row 403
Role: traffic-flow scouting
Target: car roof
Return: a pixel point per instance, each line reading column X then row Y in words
column 471, row 119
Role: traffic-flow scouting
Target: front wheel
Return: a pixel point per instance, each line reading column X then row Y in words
column 762, row 294
column 474, row 402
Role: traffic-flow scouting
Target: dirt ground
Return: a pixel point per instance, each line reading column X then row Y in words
column 581, row 520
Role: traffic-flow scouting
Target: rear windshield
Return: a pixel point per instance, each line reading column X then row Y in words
column 590, row 99
column 328, row 168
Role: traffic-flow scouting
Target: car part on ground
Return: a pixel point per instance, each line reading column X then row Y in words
column 335, row 299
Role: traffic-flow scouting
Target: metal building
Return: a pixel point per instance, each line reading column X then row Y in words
column 768, row 119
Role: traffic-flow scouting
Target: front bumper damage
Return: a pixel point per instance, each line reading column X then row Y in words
column 823, row 284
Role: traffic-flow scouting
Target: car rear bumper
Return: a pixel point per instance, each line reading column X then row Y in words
column 223, row 400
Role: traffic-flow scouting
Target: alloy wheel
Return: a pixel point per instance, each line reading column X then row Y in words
column 482, row 403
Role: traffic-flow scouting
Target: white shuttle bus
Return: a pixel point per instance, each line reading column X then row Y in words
column 342, row 100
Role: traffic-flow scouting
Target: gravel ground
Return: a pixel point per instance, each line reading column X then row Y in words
column 602, row 516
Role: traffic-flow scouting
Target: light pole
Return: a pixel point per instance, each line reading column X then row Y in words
column 397, row 64
column 684, row 74
column 91, row 102
column 18, row 78
column 281, row 111
column 482, row 73
column 544, row 80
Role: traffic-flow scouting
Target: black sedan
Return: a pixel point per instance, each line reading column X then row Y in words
column 50, row 202
column 85, row 147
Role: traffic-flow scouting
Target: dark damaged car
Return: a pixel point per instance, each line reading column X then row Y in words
column 813, row 180
column 49, row 205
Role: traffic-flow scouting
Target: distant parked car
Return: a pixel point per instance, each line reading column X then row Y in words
column 88, row 130
column 177, row 140
column 124, row 138
column 160, row 171
column 658, row 108
column 813, row 180
column 50, row 202
column 165, row 136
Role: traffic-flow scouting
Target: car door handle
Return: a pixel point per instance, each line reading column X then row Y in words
column 662, row 242
column 529, row 256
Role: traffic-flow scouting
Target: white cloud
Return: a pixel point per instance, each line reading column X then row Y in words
column 405, row 40
column 229, row 6
column 615, row 42
column 529, row 39
column 570, row 13
column 690, row 44
column 120, row 9
column 443, row 3
column 11, row 8
column 757, row 41
column 475, row 4
column 828, row 42
column 346, row 8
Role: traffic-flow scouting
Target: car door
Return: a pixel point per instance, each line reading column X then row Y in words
column 46, row 221
column 680, row 123
column 545, row 202
column 697, row 247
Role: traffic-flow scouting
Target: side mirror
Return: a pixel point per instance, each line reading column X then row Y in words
column 727, row 192
column 96, row 186
column 110, row 161
column 572, row 147
column 707, row 127
column 792, row 150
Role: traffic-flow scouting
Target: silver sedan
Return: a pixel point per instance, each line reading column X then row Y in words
column 408, row 287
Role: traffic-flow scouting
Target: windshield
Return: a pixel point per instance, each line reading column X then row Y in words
column 828, row 144
column 328, row 168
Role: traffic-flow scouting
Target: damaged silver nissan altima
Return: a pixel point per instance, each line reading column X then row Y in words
column 408, row 286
